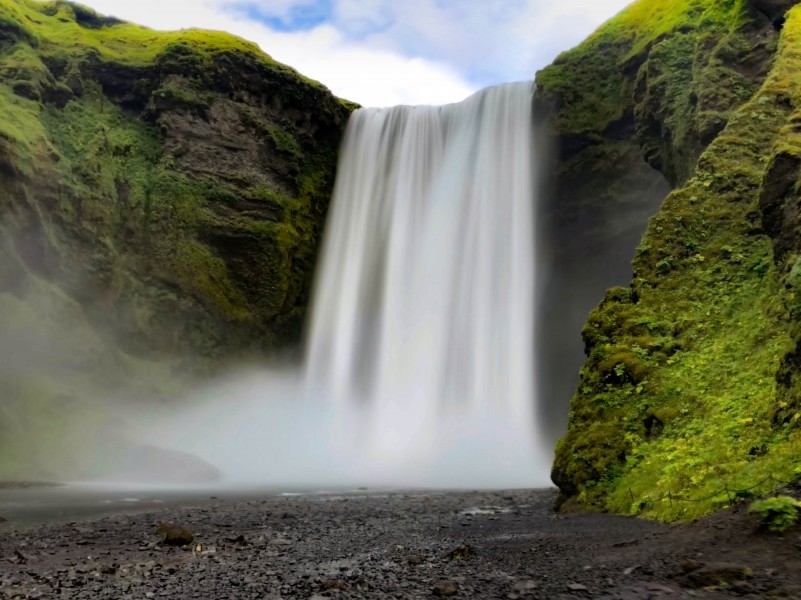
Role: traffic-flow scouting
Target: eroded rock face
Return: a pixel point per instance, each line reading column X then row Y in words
column 775, row 10
column 629, row 128
column 778, row 201
column 179, row 197
column 161, row 204
column 713, row 109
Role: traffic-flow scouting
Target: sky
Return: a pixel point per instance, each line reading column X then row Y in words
column 389, row 52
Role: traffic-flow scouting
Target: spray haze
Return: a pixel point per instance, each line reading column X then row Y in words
column 419, row 357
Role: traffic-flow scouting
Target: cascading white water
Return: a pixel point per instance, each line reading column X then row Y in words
column 423, row 311
column 419, row 359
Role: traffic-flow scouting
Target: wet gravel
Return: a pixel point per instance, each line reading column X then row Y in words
column 401, row 545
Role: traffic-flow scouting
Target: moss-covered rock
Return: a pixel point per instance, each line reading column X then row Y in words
column 166, row 191
column 677, row 408
column 177, row 182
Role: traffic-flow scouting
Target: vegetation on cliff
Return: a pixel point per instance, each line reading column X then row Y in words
column 162, row 198
column 677, row 412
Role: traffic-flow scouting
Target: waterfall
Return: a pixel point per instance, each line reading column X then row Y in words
column 419, row 356
column 423, row 310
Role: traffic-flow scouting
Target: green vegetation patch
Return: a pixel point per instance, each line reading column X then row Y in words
column 778, row 513
column 592, row 85
column 674, row 415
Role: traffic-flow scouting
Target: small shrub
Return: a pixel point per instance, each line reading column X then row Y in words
column 778, row 513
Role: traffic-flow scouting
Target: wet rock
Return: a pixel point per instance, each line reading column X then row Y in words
column 416, row 560
column 174, row 535
column 718, row 574
column 239, row 540
column 788, row 591
column 463, row 552
column 688, row 566
column 773, row 9
column 446, row 589
column 577, row 587
column 335, row 584
column 524, row 587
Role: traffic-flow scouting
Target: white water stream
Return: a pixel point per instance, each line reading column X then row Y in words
column 420, row 353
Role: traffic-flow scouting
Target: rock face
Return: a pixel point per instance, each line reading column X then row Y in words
column 678, row 410
column 173, row 184
column 161, row 202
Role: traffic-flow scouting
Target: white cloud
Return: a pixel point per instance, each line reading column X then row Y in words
column 387, row 52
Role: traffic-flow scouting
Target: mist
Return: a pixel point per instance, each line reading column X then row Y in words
column 265, row 428
column 419, row 356
column 419, row 364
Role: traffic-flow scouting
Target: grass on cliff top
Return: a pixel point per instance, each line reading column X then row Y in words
column 594, row 79
column 63, row 28
column 673, row 418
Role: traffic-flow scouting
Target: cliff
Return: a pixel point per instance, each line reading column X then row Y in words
column 161, row 201
column 688, row 398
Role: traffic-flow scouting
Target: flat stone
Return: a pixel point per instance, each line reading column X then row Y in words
column 718, row 574
column 577, row 587
column 446, row 589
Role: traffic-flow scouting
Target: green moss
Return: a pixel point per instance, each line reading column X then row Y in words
column 205, row 276
column 152, row 259
column 705, row 328
column 778, row 513
column 62, row 29
column 181, row 95
column 591, row 85
column 21, row 133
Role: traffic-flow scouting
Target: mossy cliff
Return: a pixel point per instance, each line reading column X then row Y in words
column 161, row 200
column 689, row 397
column 174, row 184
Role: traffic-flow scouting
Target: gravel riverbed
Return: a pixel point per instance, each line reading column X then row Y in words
column 397, row 545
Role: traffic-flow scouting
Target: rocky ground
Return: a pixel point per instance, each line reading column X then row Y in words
column 400, row 545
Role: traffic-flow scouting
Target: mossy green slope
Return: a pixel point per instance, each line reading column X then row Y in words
column 178, row 180
column 676, row 408
column 632, row 109
column 162, row 197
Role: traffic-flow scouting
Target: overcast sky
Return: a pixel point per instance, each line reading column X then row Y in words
column 387, row 52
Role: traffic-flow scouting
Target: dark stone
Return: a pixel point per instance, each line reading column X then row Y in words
column 654, row 426
column 688, row 566
column 174, row 535
column 774, row 9
column 717, row 574
column 787, row 591
column 463, row 552
column 778, row 202
column 335, row 584
column 446, row 589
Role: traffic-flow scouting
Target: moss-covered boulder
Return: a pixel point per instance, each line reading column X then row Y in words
column 678, row 412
